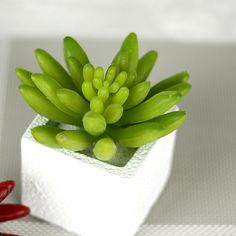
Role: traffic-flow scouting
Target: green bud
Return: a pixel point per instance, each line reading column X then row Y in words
column 97, row 105
column 88, row 90
column 94, row 123
column 106, row 84
column 105, row 149
column 121, row 78
column 111, row 74
column 113, row 113
column 88, row 72
column 99, row 73
column 103, row 94
column 120, row 97
column 114, row 87
column 97, row 83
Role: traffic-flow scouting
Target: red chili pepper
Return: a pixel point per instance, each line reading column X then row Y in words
column 6, row 188
column 10, row 211
column 2, row 234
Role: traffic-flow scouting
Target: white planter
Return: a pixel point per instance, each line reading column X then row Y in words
column 89, row 197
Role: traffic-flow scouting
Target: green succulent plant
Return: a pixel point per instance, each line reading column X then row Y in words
column 118, row 106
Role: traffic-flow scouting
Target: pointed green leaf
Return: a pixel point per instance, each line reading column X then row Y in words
column 73, row 49
column 52, row 67
column 37, row 101
column 145, row 65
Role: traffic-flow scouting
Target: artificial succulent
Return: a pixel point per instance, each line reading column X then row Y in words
column 118, row 106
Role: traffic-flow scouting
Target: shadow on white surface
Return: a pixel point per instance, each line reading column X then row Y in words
column 201, row 189
column 39, row 228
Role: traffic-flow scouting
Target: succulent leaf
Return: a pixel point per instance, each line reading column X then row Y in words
column 168, row 82
column 72, row 100
column 151, row 108
column 73, row 48
column 137, row 94
column 131, row 79
column 171, row 121
column 75, row 140
column 40, row 104
column 48, row 86
column 182, row 88
column 76, row 71
column 136, row 135
column 129, row 46
column 52, row 67
column 25, row 77
column 46, row 135
column 145, row 65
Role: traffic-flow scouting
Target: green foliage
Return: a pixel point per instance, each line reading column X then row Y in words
column 116, row 106
column 105, row 149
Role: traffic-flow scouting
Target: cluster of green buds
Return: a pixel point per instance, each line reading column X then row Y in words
column 118, row 106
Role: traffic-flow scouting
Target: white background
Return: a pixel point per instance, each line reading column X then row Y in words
column 170, row 19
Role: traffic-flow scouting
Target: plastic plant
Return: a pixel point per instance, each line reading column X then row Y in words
column 118, row 106
column 10, row 211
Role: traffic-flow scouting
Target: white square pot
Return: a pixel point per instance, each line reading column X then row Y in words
column 87, row 196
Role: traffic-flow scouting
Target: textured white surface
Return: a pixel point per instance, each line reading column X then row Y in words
column 89, row 197
column 43, row 229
